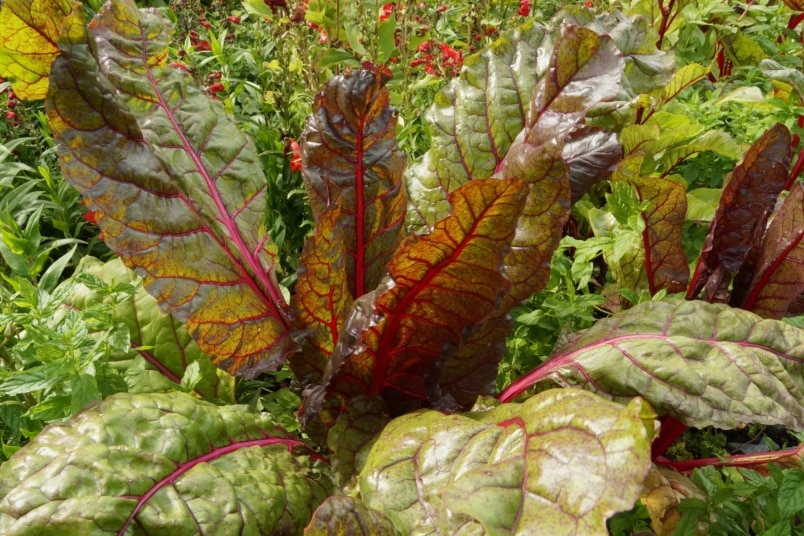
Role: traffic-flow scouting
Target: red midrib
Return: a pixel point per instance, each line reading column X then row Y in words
column 276, row 298
column 214, row 454
column 360, row 247
column 752, row 298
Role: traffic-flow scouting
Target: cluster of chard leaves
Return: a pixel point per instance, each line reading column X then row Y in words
column 397, row 322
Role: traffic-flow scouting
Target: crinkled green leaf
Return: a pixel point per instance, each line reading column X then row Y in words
column 475, row 119
column 347, row 516
column 779, row 277
column 704, row 364
column 440, row 287
column 353, row 435
column 747, row 198
column 560, row 463
column 161, row 340
column 350, row 160
column 160, row 464
column 176, row 188
column 29, row 31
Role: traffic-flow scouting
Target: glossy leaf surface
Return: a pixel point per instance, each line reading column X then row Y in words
column 475, row 119
column 750, row 193
column 177, row 190
column 322, row 298
column 349, row 158
column 440, row 286
column 161, row 340
column 560, row 463
column 704, row 364
column 29, row 31
column 158, row 464
column 779, row 278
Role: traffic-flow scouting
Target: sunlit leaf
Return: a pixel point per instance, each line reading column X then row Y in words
column 176, row 188
column 29, row 31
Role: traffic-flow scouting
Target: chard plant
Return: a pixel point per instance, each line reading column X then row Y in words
column 397, row 323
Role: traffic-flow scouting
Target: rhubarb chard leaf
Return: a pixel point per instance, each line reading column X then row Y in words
column 748, row 198
column 353, row 174
column 29, row 31
column 159, row 464
column 440, row 286
column 341, row 516
column 176, row 188
column 563, row 461
column 704, row 364
column 779, row 278
column 158, row 339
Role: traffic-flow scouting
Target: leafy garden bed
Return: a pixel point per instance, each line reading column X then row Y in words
column 374, row 268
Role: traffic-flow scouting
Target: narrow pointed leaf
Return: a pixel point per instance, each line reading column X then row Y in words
column 340, row 515
column 779, row 278
column 560, row 463
column 440, row 286
column 750, row 193
column 29, row 31
column 159, row 464
column 475, row 119
column 157, row 337
column 349, row 153
column 176, row 188
column 704, row 364
column 322, row 298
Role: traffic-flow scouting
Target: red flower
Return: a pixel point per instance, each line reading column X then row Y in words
column 90, row 217
column 451, row 55
column 203, row 45
column 386, row 11
column 424, row 47
column 233, row 19
column 295, row 160
column 217, row 87
column 11, row 115
column 205, row 23
column 524, row 8
column 179, row 65
column 322, row 35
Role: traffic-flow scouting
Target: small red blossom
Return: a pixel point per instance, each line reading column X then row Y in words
column 295, row 160
column 425, row 47
column 589, row 4
column 524, row 8
column 11, row 115
column 203, row 46
column 217, row 87
column 322, row 35
column 90, row 217
column 233, row 19
column 205, row 23
column 179, row 65
column 442, row 8
column 451, row 55
column 386, row 11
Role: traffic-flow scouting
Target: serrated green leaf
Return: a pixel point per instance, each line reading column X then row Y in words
column 791, row 494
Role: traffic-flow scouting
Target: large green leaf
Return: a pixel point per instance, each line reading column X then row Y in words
column 475, row 119
column 161, row 340
column 160, row 464
column 346, row 516
column 705, row 364
column 560, row 463
column 176, row 188
column 29, row 31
